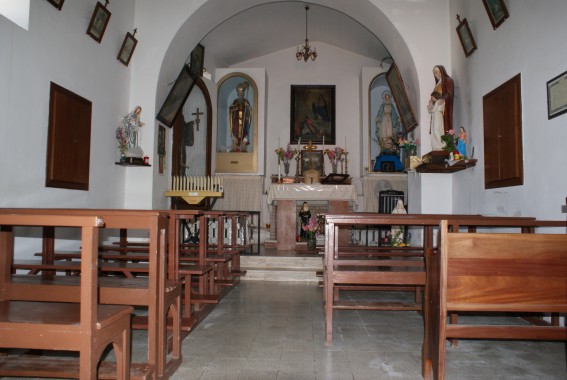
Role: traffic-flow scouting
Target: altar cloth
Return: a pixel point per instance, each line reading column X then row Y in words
column 311, row 192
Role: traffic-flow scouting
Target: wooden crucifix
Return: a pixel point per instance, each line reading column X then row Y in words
column 197, row 119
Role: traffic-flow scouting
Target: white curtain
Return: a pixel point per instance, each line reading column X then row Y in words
column 241, row 193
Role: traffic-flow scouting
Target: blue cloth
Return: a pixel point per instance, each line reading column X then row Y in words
column 389, row 160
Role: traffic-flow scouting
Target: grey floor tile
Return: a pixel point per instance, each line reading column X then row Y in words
column 270, row 330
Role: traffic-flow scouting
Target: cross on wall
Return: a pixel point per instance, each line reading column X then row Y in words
column 197, row 119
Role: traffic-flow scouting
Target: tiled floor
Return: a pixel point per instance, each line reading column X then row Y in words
column 274, row 330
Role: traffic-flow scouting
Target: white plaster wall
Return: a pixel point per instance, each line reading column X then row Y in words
column 531, row 42
column 17, row 11
column 57, row 49
column 171, row 29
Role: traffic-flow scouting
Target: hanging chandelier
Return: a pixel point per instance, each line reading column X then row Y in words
column 306, row 52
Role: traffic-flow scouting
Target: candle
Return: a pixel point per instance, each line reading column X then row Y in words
column 299, row 144
column 345, row 144
column 279, row 142
column 323, row 148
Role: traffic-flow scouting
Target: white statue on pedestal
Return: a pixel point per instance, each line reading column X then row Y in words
column 130, row 129
column 397, row 232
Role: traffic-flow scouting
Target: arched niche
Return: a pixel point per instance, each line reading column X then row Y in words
column 192, row 136
column 236, row 150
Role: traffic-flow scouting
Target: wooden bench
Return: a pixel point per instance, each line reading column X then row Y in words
column 156, row 292
column 488, row 273
column 341, row 272
column 83, row 326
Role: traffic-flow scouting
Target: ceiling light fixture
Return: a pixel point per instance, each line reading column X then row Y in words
column 305, row 53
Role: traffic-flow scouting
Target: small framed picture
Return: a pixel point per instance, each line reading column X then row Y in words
column 312, row 160
column 161, row 167
column 57, row 3
column 466, row 37
column 161, row 141
column 556, row 96
column 99, row 21
column 497, row 12
column 127, row 48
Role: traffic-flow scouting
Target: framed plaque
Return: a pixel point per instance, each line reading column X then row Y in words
column 557, row 96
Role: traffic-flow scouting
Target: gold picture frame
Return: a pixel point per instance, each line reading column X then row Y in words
column 311, row 160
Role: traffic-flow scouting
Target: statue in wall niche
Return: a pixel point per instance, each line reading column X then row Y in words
column 240, row 118
column 129, row 134
column 440, row 107
column 388, row 128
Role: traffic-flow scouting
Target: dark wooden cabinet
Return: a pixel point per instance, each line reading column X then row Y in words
column 503, row 158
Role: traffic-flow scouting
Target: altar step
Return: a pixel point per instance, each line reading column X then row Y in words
column 281, row 268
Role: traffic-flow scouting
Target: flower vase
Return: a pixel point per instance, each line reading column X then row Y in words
column 334, row 167
column 122, row 157
column 311, row 242
column 286, row 168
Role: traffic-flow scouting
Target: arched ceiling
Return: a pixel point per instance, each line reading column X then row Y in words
column 271, row 27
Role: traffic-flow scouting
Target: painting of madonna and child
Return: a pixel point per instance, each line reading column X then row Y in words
column 312, row 114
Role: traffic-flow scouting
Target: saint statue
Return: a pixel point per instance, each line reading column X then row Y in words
column 240, row 118
column 440, row 106
column 387, row 124
column 304, row 216
column 397, row 232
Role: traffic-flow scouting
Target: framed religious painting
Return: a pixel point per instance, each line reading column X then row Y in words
column 176, row 97
column 127, row 48
column 57, row 3
column 312, row 114
column 197, row 61
column 465, row 36
column 497, row 11
column 396, row 85
column 99, row 21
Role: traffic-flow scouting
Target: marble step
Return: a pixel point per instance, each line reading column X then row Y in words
column 278, row 268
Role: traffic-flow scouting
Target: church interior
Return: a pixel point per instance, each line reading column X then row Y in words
column 229, row 160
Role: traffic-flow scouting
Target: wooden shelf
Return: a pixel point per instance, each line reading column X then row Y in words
column 445, row 168
column 127, row 164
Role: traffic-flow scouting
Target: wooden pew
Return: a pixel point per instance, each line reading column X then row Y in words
column 156, row 292
column 341, row 272
column 84, row 326
column 488, row 273
column 196, row 299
